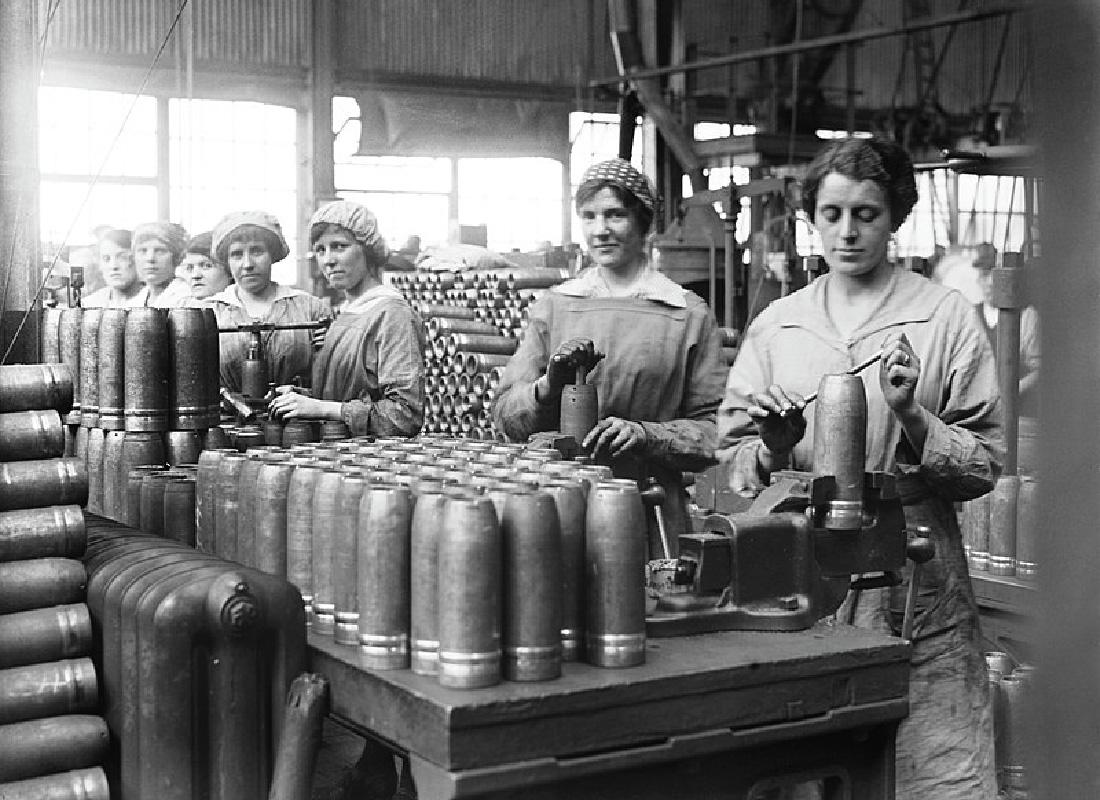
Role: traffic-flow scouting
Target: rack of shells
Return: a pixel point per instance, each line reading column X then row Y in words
column 474, row 322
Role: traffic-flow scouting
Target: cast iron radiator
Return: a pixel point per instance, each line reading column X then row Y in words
column 196, row 655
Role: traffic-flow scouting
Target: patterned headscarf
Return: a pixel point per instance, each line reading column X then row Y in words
column 622, row 173
column 171, row 235
column 357, row 219
column 259, row 219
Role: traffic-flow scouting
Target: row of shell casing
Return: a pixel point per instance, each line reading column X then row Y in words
column 137, row 369
column 464, row 559
column 1013, row 688
column 147, row 480
column 51, row 739
column 1000, row 529
column 498, row 281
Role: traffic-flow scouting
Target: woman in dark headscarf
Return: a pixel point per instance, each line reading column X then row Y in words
column 250, row 243
column 661, row 381
column 370, row 372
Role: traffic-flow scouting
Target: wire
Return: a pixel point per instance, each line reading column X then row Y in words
column 96, row 177
column 795, row 70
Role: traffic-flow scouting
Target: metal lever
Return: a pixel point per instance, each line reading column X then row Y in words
column 919, row 550
column 654, row 496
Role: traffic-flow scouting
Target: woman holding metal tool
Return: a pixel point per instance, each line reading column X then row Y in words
column 370, row 372
column 250, row 243
column 660, row 382
column 933, row 420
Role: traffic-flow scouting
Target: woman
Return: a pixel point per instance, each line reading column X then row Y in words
column 933, row 419
column 250, row 243
column 158, row 250
column 661, row 381
column 204, row 275
column 116, row 265
column 370, row 371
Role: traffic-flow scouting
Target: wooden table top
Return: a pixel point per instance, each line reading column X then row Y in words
column 689, row 685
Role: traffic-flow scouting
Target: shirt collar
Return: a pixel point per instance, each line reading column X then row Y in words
column 650, row 285
column 907, row 298
column 359, row 304
column 228, row 295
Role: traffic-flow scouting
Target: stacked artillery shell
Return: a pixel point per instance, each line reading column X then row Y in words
column 48, row 684
column 464, row 559
column 474, row 322
column 144, row 374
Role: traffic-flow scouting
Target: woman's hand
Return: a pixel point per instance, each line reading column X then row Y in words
column 899, row 371
column 562, row 367
column 778, row 418
column 615, row 436
column 289, row 403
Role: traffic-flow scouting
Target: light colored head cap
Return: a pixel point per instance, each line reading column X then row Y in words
column 259, row 219
column 622, row 173
column 359, row 221
column 170, row 234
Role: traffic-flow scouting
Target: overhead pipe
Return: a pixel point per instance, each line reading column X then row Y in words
column 628, row 57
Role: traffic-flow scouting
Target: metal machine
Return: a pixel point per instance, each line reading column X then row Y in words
column 789, row 560
column 255, row 381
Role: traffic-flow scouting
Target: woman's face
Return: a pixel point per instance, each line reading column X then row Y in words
column 205, row 277
column 116, row 264
column 614, row 237
column 250, row 264
column 341, row 259
column 853, row 218
column 154, row 262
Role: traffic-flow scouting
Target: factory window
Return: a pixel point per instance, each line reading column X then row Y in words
column 992, row 208
column 230, row 156
column 98, row 166
column 518, row 200
column 98, row 156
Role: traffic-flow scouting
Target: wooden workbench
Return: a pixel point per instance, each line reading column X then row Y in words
column 731, row 714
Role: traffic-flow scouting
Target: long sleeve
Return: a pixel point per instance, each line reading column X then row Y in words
column 688, row 442
column 964, row 450
column 515, row 411
column 399, row 407
column 738, row 441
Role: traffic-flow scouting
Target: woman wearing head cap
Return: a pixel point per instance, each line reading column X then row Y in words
column 206, row 276
column 933, row 421
column 158, row 250
column 661, row 380
column 250, row 243
column 116, row 264
column 370, row 372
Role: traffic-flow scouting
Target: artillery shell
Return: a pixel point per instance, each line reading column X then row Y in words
column 45, row 634
column 34, row 387
column 383, row 553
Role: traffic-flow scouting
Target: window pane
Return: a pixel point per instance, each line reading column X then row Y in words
column 108, row 204
column 519, row 199
column 233, row 156
column 401, row 215
column 84, row 132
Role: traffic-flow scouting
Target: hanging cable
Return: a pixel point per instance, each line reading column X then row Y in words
column 1008, row 215
column 95, row 178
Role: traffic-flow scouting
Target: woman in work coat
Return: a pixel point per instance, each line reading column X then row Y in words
column 933, row 420
column 369, row 373
column 660, row 383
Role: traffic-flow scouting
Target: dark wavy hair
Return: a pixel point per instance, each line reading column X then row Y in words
column 878, row 160
column 629, row 200
column 247, row 233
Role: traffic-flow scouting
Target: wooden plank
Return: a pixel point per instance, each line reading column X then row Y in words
column 732, row 679
column 1006, row 593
